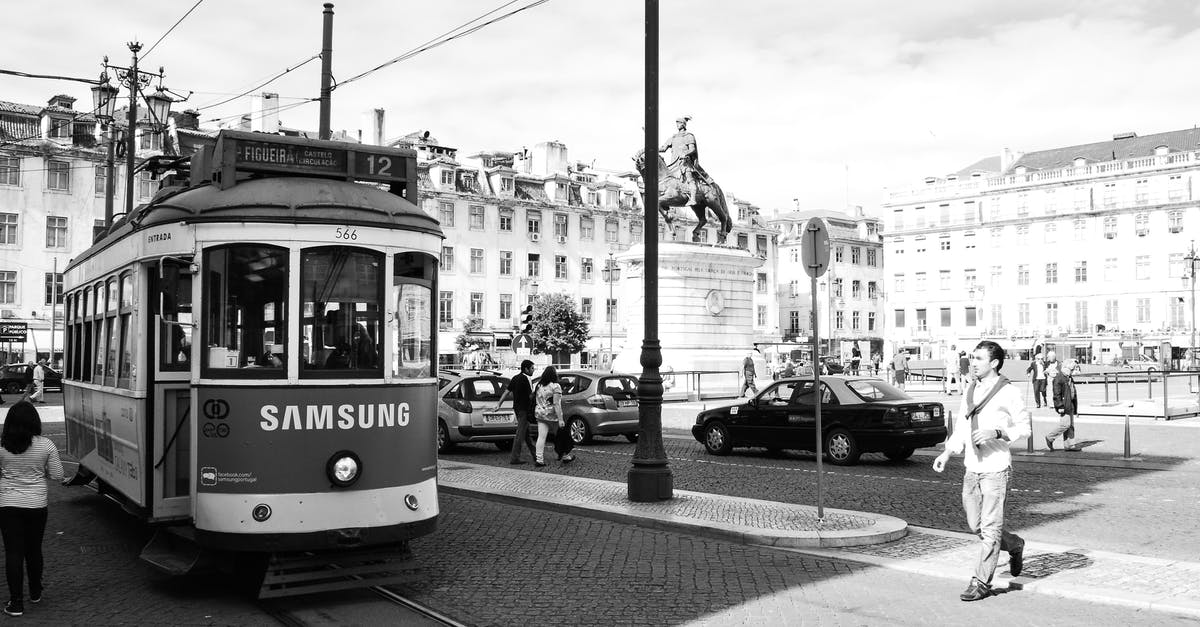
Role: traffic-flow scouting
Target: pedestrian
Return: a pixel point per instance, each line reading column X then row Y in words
column 27, row 381
column 950, row 363
column 855, row 359
column 748, row 375
column 964, row 369
column 27, row 460
column 900, row 368
column 805, row 369
column 1037, row 372
column 39, row 381
column 547, row 410
column 1066, row 403
column 789, row 369
column 520, row 389
column 992, row 415
column 877, row 359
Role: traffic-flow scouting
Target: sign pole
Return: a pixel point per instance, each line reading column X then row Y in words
column 814, row 252
column 816, row 340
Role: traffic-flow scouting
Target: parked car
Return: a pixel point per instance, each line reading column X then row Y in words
column 1139, row 362
column 858, row 415
column 599, row 403
column 12, row 378
column 466, row 409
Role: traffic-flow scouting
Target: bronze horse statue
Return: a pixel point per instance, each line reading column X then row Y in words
column 672, row 193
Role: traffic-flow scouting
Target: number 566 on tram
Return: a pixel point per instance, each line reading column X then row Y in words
column 250, row 356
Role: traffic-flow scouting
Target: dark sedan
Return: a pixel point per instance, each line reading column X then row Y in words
column 12, row 378
column 858, row 416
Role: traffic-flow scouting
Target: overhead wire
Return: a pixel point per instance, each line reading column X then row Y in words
column 177, row 22
column 261, row 85
column 90, row 81
column 443, row 38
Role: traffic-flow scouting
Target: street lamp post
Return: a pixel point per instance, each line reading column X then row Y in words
column 104, row 97
column 1191, row 259
column 608, row 270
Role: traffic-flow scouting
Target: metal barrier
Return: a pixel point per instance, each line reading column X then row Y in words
column 1169, row 384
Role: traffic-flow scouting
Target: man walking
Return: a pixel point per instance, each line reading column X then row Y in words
column 520, row 389
column 39, row 382
column 1066, row 403
column 900, row 367
column 950, row 363
column 992, row 415
column 748, row 375
column 855, row 359
column 1037, row 369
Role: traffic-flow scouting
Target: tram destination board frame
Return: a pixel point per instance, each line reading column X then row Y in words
column 298, row 156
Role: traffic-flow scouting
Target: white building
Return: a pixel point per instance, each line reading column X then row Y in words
column 1082, row 246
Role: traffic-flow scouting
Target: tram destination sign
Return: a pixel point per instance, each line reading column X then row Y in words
column 14, row 331
column 276, row 154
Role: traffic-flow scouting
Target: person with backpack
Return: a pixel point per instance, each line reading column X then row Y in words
column 547, row 410
column 992, row 416
column 27, row 460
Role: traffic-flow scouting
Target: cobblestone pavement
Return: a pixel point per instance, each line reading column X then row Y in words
column 501, row 564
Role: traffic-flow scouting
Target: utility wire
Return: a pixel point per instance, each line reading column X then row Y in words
column 90, row 81
column 261, row 85
column 189, row 12
column 264, row 114
column 443, row 38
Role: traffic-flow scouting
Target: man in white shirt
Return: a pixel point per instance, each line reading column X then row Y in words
column 992, row 416
column 950, row 361
column 39, row 382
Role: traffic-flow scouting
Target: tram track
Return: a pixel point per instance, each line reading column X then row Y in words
column 375, row 605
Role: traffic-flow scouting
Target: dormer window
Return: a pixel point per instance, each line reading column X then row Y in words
column 1161, row 150
column 506, row 184
column 1080, row 162
column 560, row 191
column 60, row 128
column 447, row 177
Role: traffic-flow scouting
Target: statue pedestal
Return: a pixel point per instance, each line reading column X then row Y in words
column 705, row 316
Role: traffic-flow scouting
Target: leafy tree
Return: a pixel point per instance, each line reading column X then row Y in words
column 473, row 323
column 556, row 327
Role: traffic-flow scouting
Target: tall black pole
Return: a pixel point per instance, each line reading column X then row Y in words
column 326, row 69
column 650, row 478
column 109, row 192
column 130, row 140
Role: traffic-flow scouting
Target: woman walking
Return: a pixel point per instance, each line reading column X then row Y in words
column 547, row 410
column 27, row 460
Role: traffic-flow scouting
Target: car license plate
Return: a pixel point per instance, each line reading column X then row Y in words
column 489, row 418
column 920, row 416
column 629, row 403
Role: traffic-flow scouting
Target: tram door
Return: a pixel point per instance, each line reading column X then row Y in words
column 170, row 298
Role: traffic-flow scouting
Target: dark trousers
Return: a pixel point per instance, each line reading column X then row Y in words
column 23, row 528
column 522, row 436
column 1039, row 392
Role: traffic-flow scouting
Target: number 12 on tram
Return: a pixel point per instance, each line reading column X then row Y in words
column 251, row 355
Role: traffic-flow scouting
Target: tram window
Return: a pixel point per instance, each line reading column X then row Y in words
column 245, row 316
column 113, row 343
column 85, row 346
column 175, row 340
column 341, row 290
column 98, row 335
column 412, row 295
column 125, row 369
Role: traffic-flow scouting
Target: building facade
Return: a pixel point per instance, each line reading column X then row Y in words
column 850, row 304
column 1085, row 247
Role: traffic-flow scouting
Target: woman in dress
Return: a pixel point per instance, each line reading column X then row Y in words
column 547, row 410
column 27, row 460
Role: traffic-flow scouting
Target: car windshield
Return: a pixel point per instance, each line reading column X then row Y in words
column 871, row 390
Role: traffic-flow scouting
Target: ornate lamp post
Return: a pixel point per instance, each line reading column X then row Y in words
column 1191, row 259
column 609, row 267
column 104, row 97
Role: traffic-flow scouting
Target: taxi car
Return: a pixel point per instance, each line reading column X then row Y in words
column 599, row 403
column 858, row 415
column 466, row 409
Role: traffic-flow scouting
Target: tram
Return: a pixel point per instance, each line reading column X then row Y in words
column 250, row 357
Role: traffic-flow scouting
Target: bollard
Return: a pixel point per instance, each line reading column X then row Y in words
column 1105, row 386
column 1117, row 386
column 1127, row 455
column 1166, row 409
column 1149, row 384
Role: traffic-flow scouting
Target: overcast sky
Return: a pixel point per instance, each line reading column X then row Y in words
column 794, row 103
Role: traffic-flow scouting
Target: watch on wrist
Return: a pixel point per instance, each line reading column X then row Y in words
column 999, row 434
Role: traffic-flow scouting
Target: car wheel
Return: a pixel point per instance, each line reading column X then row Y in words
column 841, row 448
column 900, row 454
column 632, row 437
column 580, row 433
column 443, row 437
column 504, row 445
column 12, row 388
column 716, row 438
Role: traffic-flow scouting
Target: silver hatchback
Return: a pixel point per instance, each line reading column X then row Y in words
column 466, row 402
column 599, row 403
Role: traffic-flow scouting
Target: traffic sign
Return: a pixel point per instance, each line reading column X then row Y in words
column 814, row 248
column 522, row 344
column 14, row 331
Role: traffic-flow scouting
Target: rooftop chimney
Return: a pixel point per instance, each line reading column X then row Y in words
column 266, row 114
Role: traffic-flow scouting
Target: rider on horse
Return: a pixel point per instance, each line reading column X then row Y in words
column 685, row 160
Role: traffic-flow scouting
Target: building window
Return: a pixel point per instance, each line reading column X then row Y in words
column 920, row 284
column 506, row 302
column 101, row 179
column 1110, row 311
column 997, row 319
column 1023, row 314
column 150, row 140
column 855, row 255
column 1143, row 310
column 1176, row 188
column 762, row 315
column 837, row 288
column 872, row 258
column 760, row 283
column 793, row 288
column 477, row 304
column 919, row 217
column 1110, row 227
column 969, row 278
column 922, row 321
column 445, row 310
column 1051, row 273
column 506, row 184
column 533, row 265
column 587, row 228
column 969, row 241
column 533, row 222
column 1022, row 205
column 920, row 244
column 870, row 321
column 1110, row 269
column 10, row 170
column 1174, row 221
column 1141, row 192
column 560, row 225
column 1081, row 316
column 997, row 276
column 761, row 245
column 585, row 269
column 972, row 316
column 899, row 313
column 447, row 260
column 944, row 242
column 872, row 292
column 996, row 234
column 855, row 289
column 1109, row 199
column 506, row 220
column 56, row 232
column 635, row 232
column 1052, row 314
column 146, row 185
column 54, row 288
column 506, row 260
column 898, row 283
column 1049, row 203
column 898, row 219
column 743, row 241
column 794, row 255
column 1051, row 232
column 794, row 322
column 1080, row 230
column 839, row 320
column 1141, row 224
column 611, row 231
column 1081, row 272
column 1142, row 267
column 970, row 212
column 476, row 261
column 855, row 324
column 58, row 175
column 585, row 308
column 447, row 177
column 1175, row 309
column 945, row 316
column 475, row 221
column 944, row 279
column 560, row 267
column 839, row 253
column 1022, row 235
column 8, row 287
column 610, row 310
column 1023, row 274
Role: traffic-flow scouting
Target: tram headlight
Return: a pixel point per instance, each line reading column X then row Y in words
column 344, row 468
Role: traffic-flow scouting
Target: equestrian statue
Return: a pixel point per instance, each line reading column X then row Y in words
column 684, row 183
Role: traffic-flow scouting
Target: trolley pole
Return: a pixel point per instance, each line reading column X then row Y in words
column 326, row 69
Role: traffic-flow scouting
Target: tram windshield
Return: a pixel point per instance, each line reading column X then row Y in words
column 412, row 291
column 245, row 322
column 341, row 291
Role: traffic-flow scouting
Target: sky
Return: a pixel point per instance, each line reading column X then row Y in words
column 795, row 105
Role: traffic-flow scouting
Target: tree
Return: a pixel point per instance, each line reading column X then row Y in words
column 557, row 328
column 464, row 341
